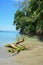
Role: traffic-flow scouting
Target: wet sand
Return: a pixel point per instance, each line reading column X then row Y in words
column 34, row 56
column 7, row 58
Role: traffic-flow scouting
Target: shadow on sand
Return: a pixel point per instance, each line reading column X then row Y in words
column 41, row 39
column 37, row 36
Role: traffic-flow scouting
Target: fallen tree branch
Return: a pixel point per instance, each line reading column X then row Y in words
column 20, row 41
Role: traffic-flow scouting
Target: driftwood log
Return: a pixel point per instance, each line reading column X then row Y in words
column 13, row 45
column 20, row 41
column 16, row 47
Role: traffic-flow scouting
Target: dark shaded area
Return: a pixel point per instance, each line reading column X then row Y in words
column 41, row 38
column 38, row 36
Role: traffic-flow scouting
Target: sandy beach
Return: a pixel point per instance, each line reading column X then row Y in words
column 21, row 32
column 34, row 56
column 6, row 58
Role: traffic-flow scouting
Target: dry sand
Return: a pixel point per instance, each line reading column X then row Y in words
column 34, row 56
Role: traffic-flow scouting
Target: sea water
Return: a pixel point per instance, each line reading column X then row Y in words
column 8, row 37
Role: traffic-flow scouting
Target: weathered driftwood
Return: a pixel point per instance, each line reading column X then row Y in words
column 16, row 47
column 11, row 50
column 8, row 45
column 20, row 41
column 11, row 46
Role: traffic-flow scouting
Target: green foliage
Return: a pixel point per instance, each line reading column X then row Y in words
column 11, row 50
column 16, row 49
column 30, row 17
column 40, row 25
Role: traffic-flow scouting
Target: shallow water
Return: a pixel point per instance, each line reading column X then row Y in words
column 8, row 37
column 7, row 58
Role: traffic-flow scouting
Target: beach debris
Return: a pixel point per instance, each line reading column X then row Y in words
column 20, row 41
column 16, row 47
column 13, row 48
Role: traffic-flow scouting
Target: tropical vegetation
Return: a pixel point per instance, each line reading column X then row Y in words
column 29, row 17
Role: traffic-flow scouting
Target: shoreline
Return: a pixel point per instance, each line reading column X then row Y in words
column 5, row 57
column 34, row 56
